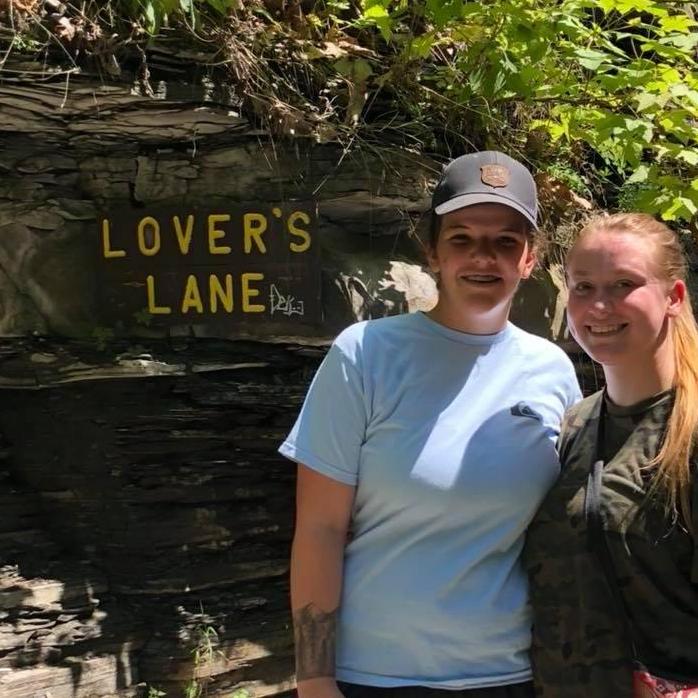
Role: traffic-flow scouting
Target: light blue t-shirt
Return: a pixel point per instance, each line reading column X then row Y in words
column 449, row 439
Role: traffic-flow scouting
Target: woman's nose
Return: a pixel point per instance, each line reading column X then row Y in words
column 484, row 248
column 601, row 302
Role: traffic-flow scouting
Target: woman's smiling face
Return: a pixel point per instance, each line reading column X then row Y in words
column 481, row 254
column 619, row 303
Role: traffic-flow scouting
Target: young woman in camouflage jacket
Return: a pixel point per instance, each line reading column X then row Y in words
column 630, row 311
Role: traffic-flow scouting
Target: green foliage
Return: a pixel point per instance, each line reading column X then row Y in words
column 152, row 14
column 614, row 77
column 203, row 653
column 565, row 173
column 193, row 689
column 205, row 649
column 601, row 94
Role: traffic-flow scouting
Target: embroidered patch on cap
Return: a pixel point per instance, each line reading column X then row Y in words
column 495, row 175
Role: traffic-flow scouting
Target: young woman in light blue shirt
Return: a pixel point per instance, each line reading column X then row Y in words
column 431, row 436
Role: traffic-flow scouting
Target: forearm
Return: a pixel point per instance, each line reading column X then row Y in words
column 316, row 583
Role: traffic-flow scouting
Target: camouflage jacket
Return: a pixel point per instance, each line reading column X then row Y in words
column 579, row 648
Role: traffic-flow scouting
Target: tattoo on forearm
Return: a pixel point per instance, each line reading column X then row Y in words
column 314, row 632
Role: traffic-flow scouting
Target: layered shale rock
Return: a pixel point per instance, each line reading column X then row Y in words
column 145, row 516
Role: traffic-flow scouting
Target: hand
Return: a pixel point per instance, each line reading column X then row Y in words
column 322, row 687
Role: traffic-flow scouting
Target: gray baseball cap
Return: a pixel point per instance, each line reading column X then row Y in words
column 483, row 178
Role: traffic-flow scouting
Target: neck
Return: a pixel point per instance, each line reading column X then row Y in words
column 491, row 322
column 630, row 382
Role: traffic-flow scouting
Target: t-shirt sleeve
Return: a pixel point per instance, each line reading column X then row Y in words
column 331, row 426
column 573, row 392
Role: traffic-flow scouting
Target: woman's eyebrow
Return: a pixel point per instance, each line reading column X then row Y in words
column 621, row 271
column 466, row 227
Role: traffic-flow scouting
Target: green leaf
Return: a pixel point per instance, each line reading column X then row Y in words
column 376, row 12
column 640, row 127
column 471, row 33
column 641, row 174
column 607, row 124
column 649, row 200
column 688, row 155
column 187, row 7
column 664, row 49
column 677, row 123
column 590, row 58
column 420, row 46
column 355, row 69
column 677, row 23
column 681, row 208
column 362, row 70
column 679, row 89
column 685, row 42
column 645, row 100
column 475, row 79
column 385, row 27
column 443, row 12
column 524, row 32
column 151, row 17
column 671, row 76
column 627, row 6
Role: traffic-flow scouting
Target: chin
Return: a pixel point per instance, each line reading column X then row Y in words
column 486, row 299
column 600, row 351
column 606, row 356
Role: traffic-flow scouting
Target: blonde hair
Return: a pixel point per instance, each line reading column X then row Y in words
column 673, row 474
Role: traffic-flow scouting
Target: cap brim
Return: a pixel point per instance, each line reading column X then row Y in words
column 471, row 199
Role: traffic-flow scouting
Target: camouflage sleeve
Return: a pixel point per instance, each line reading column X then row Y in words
column 564, row 428
column 568, row 430
column 573, row 423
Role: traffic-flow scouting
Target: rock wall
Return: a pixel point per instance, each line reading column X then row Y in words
column 145, row 517
column 72, row 150
column 146, row 521
column 68, row 156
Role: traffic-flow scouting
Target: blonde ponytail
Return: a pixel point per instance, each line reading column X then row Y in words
column 674, row 458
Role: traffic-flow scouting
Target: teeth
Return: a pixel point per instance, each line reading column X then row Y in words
column 604, row 329
column 481, row 277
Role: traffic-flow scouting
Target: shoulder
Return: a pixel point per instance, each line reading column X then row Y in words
column 365, row 336
column 548, row 361
column 585, row 409
column 540, row 348
column 573, row 429
column 580, row 414
column 350, row 337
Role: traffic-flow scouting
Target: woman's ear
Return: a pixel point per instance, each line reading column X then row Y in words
column 676, row 298
column 432, row 241
column 530, row 260
column 432, row 259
